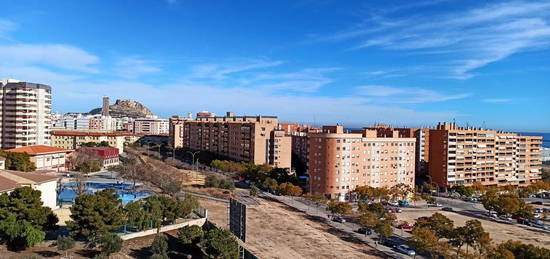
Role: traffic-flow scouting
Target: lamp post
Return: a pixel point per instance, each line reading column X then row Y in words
column 193, row 162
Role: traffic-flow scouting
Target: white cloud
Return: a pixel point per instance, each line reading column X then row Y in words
column 389, row 94
column 468, row 39
column 496, row 100
column 221, row 70
column 133, row 67
column 54, row 55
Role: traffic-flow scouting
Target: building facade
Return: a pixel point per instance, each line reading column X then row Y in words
column 465, row 155
column 107, row 156
column 25, row 114
column 75, row 139
column 254, row 139
column 46, row 184
column 339, row 161
column 151, row 126
column 45, row 158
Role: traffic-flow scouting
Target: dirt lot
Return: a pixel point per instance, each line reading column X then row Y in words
column 276, row 231
column 499, row 232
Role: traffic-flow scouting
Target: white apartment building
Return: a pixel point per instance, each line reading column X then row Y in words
column 151, row 126
column 25, row 114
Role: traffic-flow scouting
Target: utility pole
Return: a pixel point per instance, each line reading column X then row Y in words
column 193, row 163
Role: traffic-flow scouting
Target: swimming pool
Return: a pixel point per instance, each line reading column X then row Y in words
column 124, row 191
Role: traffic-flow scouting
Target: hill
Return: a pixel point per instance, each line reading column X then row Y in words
column 126, row 108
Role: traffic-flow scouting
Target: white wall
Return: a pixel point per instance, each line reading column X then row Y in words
column 49, row 194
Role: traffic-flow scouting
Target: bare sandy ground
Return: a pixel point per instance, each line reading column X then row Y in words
column 276, row 231
column 499, row 232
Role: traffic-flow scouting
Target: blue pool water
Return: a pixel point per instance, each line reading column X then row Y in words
column 123, row 190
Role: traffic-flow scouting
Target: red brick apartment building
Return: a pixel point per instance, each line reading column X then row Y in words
column 466, row 155
column 339, row 161
column 255, row 139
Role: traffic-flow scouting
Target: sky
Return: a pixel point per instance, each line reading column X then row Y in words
column 405, row 63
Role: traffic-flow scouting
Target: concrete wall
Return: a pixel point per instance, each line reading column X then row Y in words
column 49, row 194
column 198, row 222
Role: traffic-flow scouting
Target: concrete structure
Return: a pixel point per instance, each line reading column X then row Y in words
column 253, row 139
column 45, row 158
column 105, row 106
column 107, row 156
column 25, row 114
column 2, row 163
column 341, row 161
column 466, row 155
column 545, row 154
column 46, row 184
column 74, row 139
column 150, row 126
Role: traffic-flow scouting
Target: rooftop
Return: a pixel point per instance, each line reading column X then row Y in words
column 39, row 150
column 89, row 133
column 10, row 180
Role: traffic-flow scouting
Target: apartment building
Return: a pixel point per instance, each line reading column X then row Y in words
column 253, row 139
column 75, row 139
column 466, row 155
column 340, row 161
column 422, row 150
column 151, row 126
column 25, row 114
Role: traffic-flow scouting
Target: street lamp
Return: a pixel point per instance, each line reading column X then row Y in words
column 193, row 162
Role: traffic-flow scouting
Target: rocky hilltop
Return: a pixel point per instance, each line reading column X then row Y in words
column 126, row 108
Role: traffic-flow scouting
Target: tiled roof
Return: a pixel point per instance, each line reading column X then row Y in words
column 38, row 150
column 10, row 180
column 91, row 134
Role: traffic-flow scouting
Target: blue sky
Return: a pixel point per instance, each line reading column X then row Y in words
column 407, row 63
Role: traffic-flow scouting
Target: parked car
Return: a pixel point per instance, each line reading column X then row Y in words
column 406, row 226
column 366, row 231
column 524, row 221
column 447, row 209
column 537, row 202
column 505, row 217
column 403, row 203
column 492, row 214
column 406, row 250
column 339, row 219
column 537, row 216
column 538, row 210
column 395, row 204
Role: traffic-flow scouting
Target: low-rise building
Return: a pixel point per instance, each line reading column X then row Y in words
column 107, row 156
column 46, row 184
column 45, row 158
column 75, row 139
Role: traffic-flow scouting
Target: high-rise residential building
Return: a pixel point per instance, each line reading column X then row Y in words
column 422, row 150
column 25, row 114
column 150, row 126
column 175, row 129
column 340, row 161
column 466, row 155
column 254, row 139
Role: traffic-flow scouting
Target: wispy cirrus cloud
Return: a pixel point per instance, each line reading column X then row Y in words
column 496, row 100
column 133, row 67
column 468, row 39
column 6, row 27
column 390, row 94
column 220, row 70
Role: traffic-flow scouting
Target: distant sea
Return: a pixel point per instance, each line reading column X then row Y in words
column 545, row 137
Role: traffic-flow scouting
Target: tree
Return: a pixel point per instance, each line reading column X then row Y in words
column 428, row 198
column 190, row 234
column 23, row 218
column 470, row 234
column 254, row 191
column 523, row 251
column 65, row 243
column 269, row 184
column 160, row 246
column 220, row 243
column 95, row 144
column 18, row 161
column 424, row 240
column 110, row 243
column 463, row 190
column 368, row 220
column 438, row 223
column 339, row 207
column 383, row 229
column 171, row 187
column 136, row 215
column 131, row 168
column 94, row 214
column 289, row 189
